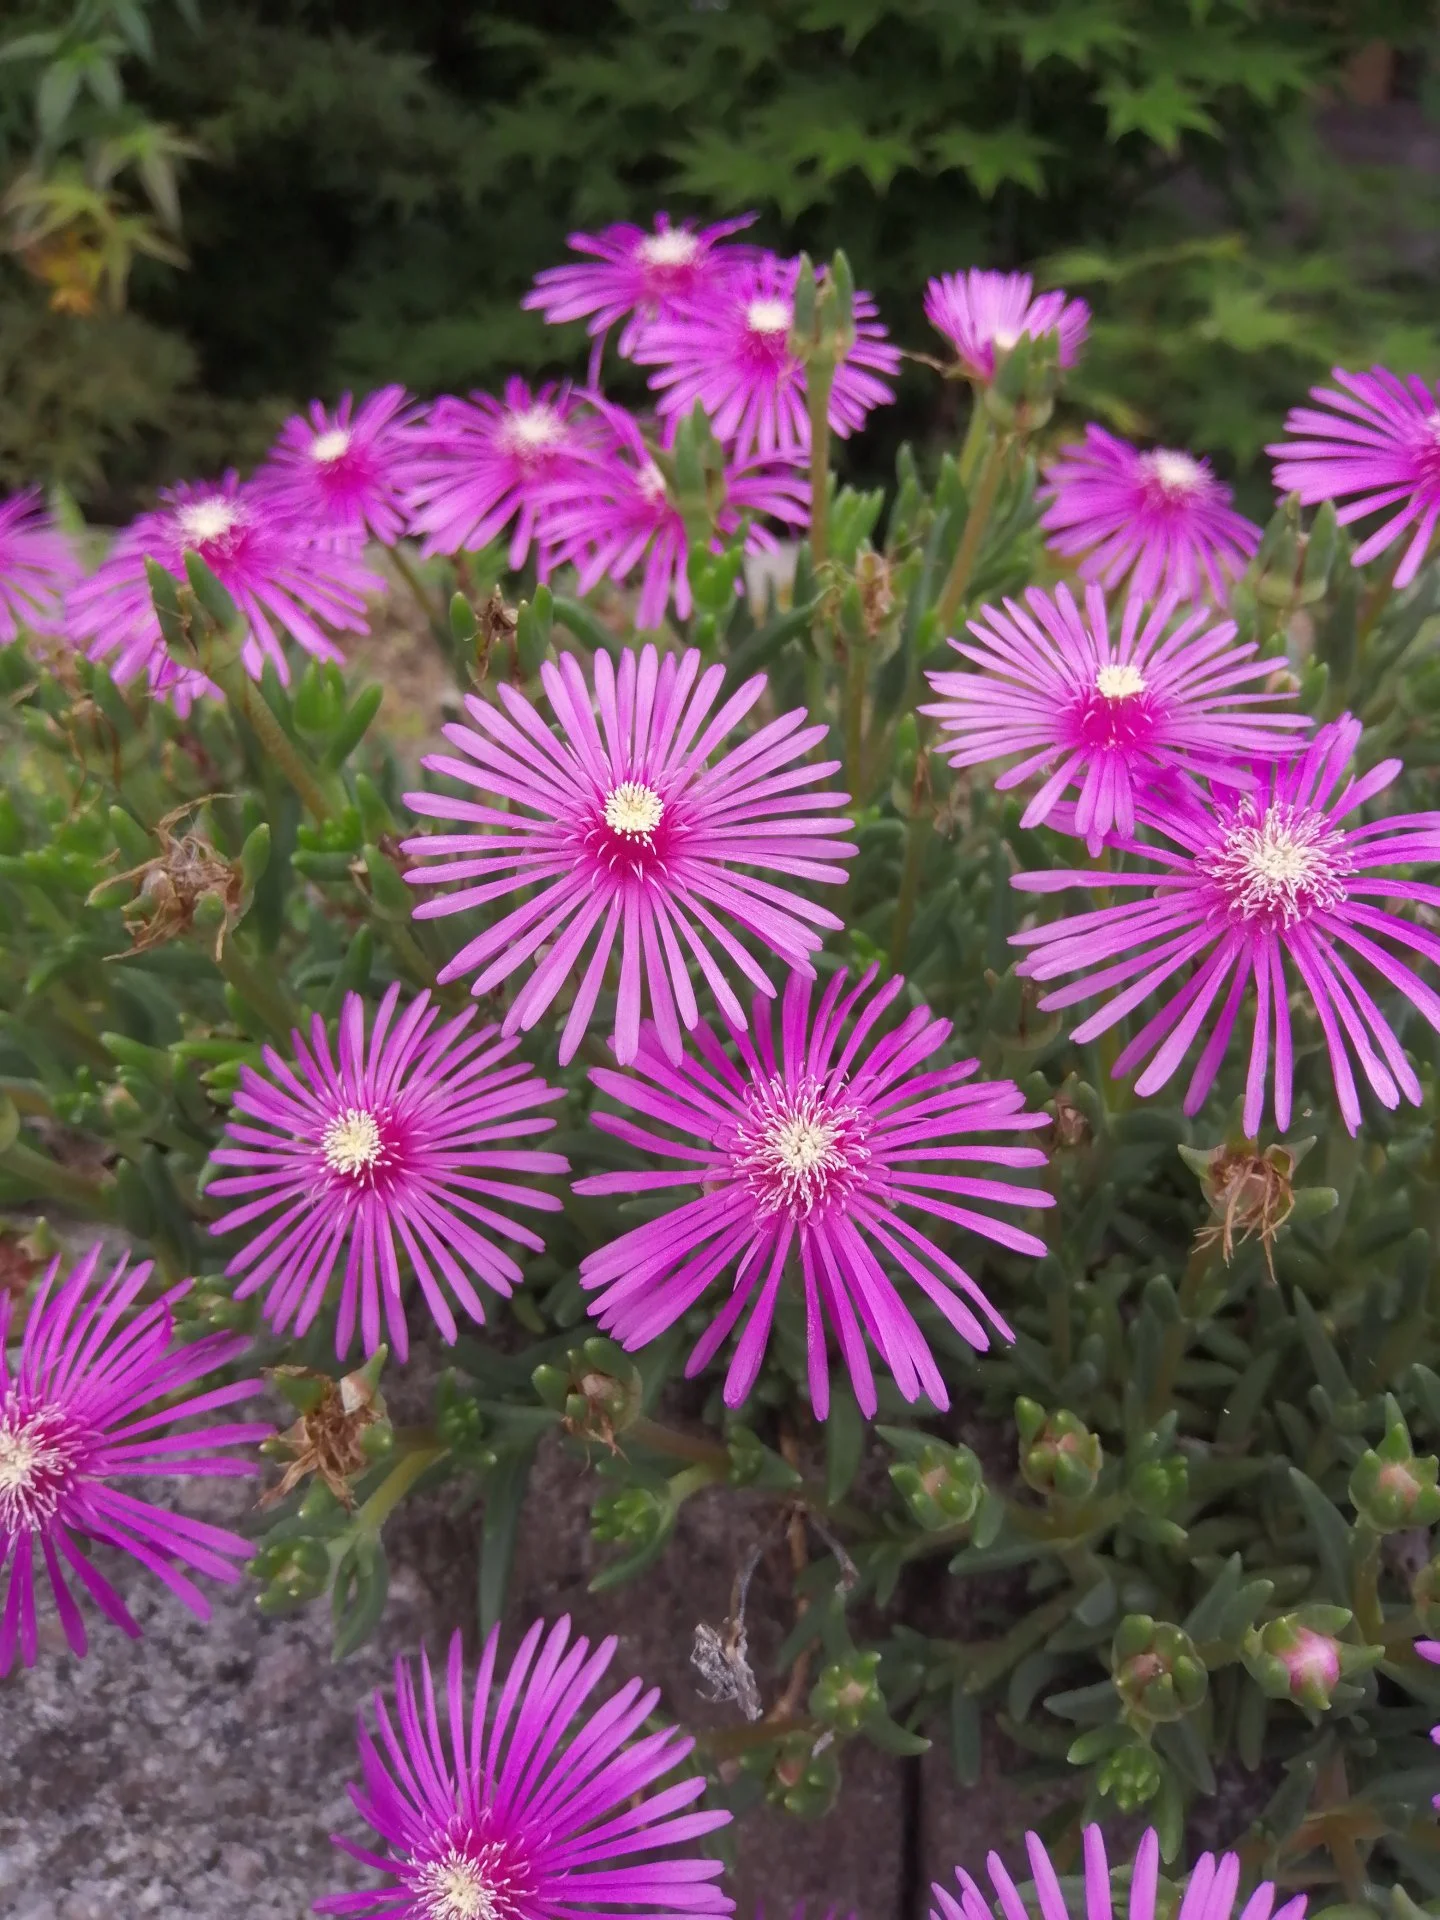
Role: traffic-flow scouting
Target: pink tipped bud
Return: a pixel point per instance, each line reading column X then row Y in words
column 1313, row 1664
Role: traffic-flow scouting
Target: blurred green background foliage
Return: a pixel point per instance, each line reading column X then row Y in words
column 212, row 212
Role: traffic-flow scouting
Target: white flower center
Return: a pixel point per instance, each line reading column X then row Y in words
column 768, row 316
column 675, row 247
column 333, row 445
column 352, row 1143
column 535, row 427
column 652, row 481
column 1281, row 867
column 204, row 520
column 633, row 809
column 35, row 1459
column 798, row 1148
column 1175, row 472
column 454, row 1888
column 1119, row 681
column 1005, row 337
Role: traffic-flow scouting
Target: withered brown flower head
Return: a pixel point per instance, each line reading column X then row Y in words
column 328, row 1441
column 186, row 871
column 1251, row 1196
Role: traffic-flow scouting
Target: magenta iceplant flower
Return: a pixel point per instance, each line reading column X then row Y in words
column 982, row 314
column 1107, row 715
column 343, row 473
column 731, row 354
column 1277, row 886
column 1161, row 517
column 38, row 567
column 102, row 1393
column 608, row 520
column 281, row 580
column 629, row 833
column 1430, row 1650
column 637, row 276
column 399, row 1147
column 515, row 1799
column 1209, row 1894
column 811, row 1151
column 1373, row 441
column 483, row 464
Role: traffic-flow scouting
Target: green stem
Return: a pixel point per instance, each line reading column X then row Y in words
column 855, row 721
column 49, row 1179
column 820, row 377
column 257, row 991
column 681, row 1446
column 1365, row 1599
column 917, row 836
column 976, row 521
column 1177, row 1334
column 433, row 612
column 974, row 440
column 396, row 1484
column 248, row 701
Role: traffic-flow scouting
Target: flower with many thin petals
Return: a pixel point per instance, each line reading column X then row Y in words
column 638, row 277
column 1116, row 714
column 1161, row 518
column 513, row 1798
column 100, row 1394
column 811, row 1150
column 401, row 1147
column 281, row 580
column 37, row 567
column 731, row 354
column 621, row 514
column 343, row 473
column 983, row 313
column 1430, row 1650
column 1373, row 441
column 1209, row 1893
column 483, row 463
column 1277, row 887
column 628, row 832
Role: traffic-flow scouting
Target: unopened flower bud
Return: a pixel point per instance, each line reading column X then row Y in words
column 597, row 1392
column 847, row 1693
column 291, row 1573
column 633, row 1517
column 1390, row 1488
column 1156, row 1669
column 942, row 1487
column 1058, row 1452
column 804, row 1776
column 1300, row 1656
column 1130, row 1777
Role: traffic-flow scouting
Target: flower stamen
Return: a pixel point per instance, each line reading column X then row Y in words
column 675, row 247
column 331, row 446
column 1119, row 681
column 1281, row 867
column 352, row 1143
column 203, row 520
column 633, row 809
column 799, row 1149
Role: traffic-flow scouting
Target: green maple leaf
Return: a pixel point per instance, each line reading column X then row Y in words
column 1162, row 109
column 990, row 158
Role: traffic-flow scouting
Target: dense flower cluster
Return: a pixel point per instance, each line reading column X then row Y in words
column 632, row 843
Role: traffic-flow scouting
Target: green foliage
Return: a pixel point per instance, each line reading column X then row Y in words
column 380, row 183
